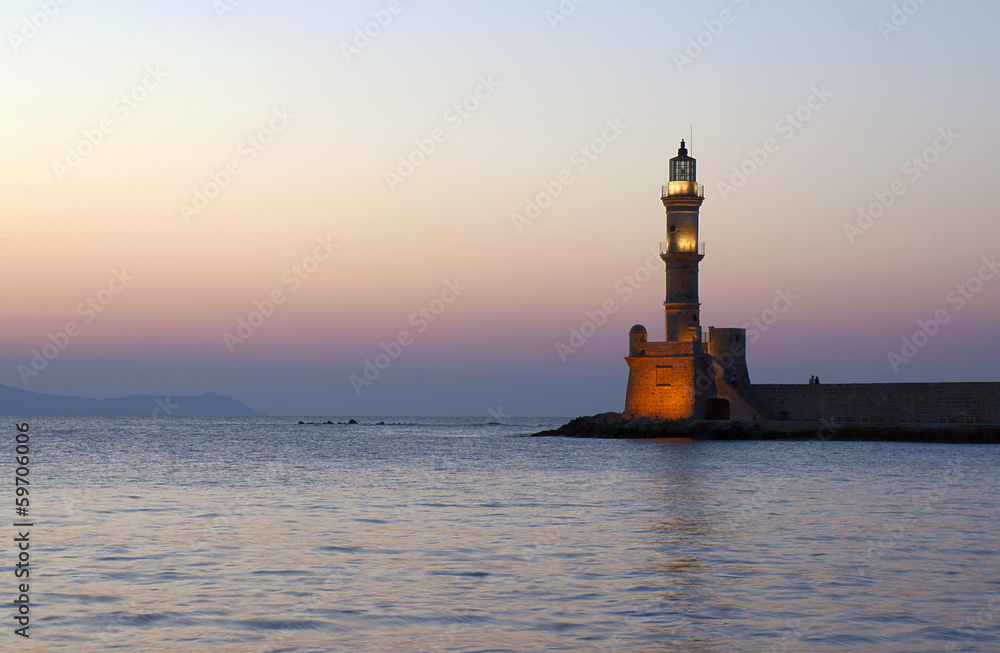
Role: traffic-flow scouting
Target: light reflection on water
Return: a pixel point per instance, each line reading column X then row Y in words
column 451, row 535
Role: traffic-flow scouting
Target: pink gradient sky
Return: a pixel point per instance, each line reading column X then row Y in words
column 323, row 176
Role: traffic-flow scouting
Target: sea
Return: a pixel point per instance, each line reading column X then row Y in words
column 452, row 534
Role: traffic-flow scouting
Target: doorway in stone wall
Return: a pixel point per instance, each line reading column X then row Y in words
column 717, row 408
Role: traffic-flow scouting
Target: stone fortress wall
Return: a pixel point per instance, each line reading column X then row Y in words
column 926, row 403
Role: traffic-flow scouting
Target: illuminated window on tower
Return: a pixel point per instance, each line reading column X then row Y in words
column 683, row 170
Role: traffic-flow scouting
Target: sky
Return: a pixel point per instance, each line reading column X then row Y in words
column 407, row 208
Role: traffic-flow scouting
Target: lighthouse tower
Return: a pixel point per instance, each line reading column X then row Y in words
column 690, row 374
column 681, row 252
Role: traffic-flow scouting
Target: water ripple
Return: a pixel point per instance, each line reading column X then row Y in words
column 444, row 535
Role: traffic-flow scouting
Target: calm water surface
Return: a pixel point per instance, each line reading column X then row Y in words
column 457, row 535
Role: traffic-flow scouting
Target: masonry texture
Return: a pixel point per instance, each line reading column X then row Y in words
column 927, row 403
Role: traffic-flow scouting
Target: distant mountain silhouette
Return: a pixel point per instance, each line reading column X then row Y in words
column 31, row 404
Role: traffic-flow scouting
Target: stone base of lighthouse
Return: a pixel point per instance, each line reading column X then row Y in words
column 661, row 381
column 689, row 380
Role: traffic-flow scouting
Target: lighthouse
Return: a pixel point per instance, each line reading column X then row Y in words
column 690, row 374
column 695, row 374
column 681, row 252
